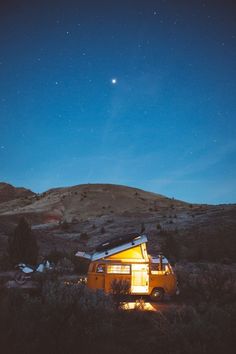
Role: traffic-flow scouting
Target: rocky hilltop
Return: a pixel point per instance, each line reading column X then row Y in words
column 82, row 216
column 8, row 192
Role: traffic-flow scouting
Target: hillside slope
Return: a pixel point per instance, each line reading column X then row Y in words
column 8, row 192
column 82, row 216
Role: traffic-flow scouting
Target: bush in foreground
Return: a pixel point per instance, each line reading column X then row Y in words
column 72, row 319
column 207, row 283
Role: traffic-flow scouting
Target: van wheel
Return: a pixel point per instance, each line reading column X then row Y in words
column 157, row 294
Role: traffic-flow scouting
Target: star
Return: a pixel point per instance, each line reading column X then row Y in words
column 114, row 81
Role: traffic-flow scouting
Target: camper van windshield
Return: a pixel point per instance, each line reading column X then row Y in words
column 156, row 268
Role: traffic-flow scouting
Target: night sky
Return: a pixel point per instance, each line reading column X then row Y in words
column 140, row 93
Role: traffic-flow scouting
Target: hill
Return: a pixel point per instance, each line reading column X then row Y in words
column 8, row 192
column 83, row 216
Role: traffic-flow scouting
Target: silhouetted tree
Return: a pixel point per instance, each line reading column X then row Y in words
column 22, row 245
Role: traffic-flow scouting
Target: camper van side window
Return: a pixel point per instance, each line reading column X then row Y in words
column 101, row 268
column 118, row 268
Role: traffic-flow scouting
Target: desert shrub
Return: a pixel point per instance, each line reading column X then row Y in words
column 139, row 305
column 68, row 261
column 45, row 276
column 58, row 294
column 72, row 319
column 207, row 284
column 64, row 265
column 80, row 264
column 55, row 255
column 119, row 289
column 65, row 225
column 61, row 320
column 84, row 236
column 120, row 286
column 214, row 246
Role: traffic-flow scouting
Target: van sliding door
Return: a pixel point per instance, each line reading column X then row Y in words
column 139, row 279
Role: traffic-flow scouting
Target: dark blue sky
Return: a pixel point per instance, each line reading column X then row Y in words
column 166, row 125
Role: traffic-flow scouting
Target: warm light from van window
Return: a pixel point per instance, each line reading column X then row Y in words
column 118, row 268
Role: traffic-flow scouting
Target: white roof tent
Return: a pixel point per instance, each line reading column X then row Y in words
column 114, row 246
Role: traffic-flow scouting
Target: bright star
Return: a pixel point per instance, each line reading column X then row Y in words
column 114, row 81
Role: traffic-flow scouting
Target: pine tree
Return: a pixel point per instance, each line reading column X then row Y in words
column 22, row 245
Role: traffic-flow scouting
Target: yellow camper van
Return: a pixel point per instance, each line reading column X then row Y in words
column 127, row 259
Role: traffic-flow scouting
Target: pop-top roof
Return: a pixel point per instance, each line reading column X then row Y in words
column 111, row 243
column 106, row 252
